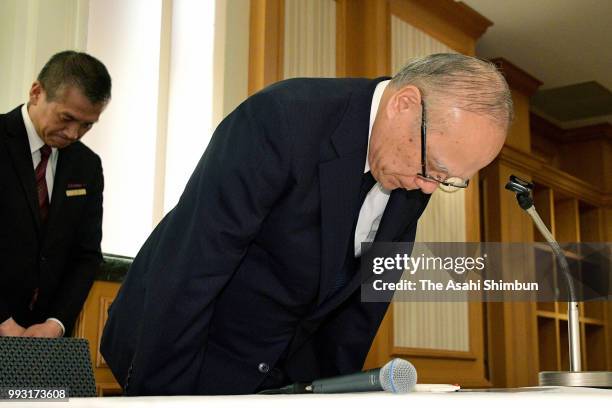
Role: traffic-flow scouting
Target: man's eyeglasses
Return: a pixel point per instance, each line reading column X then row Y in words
column 450, row 184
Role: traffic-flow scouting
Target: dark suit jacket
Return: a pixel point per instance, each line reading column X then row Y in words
column 235, row 279
column 60, row 258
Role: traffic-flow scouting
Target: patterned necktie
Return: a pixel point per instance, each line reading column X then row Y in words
column 41, row 182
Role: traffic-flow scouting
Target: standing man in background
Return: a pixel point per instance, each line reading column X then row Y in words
column 51, row 198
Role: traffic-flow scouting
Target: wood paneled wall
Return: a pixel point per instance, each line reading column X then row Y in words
column 266, row 43
column 90, row 325
column 310, row 39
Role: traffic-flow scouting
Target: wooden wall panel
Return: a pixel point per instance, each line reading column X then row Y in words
column 511, row 327
column 451, row 23
column 522, row 85
column 436, row 325
column 433, row 326
column 265, row 43
column 90, row 325
column 567, row 220
column 363, row 32
column 587, row 160
column 408, row 42
column 518, row 135
column 437, row 337
column 310, row 38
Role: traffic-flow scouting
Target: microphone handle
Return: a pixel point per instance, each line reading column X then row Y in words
column 297, row 388
column 358, row 382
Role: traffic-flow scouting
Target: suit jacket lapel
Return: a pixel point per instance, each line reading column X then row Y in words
column 19, row 149
column 340, row 182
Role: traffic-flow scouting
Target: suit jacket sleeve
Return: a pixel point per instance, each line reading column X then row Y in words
column 195, row 250
column 85, row 257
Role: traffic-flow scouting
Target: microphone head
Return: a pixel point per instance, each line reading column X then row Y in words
column 398, row 376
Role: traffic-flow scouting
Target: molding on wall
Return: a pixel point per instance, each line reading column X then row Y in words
column 545, row 128
column 517, row 78
column 548, row 175
column 444, row 20
column 433, row 353
column 460, row 15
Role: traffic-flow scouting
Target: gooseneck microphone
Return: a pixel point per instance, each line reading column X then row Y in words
column 523, row 191
column 575, row 377
column 397, row 376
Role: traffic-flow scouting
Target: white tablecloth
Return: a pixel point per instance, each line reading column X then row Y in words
column 544, row 397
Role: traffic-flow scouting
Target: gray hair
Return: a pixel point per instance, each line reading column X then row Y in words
column 467, row 83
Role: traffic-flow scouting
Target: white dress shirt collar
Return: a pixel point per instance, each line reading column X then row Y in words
column 378, row 92
column 35, row 141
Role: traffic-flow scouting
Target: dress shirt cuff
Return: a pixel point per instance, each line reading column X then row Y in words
column 53, row 319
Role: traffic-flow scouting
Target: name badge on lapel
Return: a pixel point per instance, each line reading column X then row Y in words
column 74, row 190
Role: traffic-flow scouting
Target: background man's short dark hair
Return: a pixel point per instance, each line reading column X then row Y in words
column 77, row 69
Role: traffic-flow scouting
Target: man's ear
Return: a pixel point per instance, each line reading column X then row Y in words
column 403, row 100
column 36, row 93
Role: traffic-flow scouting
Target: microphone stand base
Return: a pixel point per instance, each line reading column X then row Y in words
column 596, row 379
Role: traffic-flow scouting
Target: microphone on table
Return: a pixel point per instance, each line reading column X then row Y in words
column 397, row 376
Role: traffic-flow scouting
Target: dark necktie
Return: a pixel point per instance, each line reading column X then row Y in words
column 367, row 182
column 41, row 183
column 351, row 264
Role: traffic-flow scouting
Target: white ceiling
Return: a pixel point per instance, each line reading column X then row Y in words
column 560, row 42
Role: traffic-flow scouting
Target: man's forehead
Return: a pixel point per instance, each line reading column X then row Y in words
column 79, row 114
column 470, row 144
column 73, row 102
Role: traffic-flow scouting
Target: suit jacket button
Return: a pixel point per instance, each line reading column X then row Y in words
column 263, row 368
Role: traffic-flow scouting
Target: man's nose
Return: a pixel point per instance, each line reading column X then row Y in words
column 72, row 132
column 426, row 186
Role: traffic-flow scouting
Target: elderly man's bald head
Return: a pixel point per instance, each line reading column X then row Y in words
column 455, row 80
column 441, row 119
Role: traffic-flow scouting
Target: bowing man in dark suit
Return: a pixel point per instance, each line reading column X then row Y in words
column 251, row 281
column 51, row 207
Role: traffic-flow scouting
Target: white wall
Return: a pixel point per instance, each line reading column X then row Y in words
column 190, row 93
column 125, row 35
column 30, row 32
column 161, row 55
